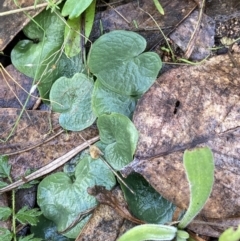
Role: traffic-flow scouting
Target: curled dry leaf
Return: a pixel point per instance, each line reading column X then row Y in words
column 189, row 107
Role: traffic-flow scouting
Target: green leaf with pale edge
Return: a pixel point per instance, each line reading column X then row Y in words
column 106, row 101
column 149, row 232
column 41, row 57
column 72, row 98
column 5, row 213
column 116, row 59
column 5, row 168
column 146, row 204
column 5, row 234
column 30, row 216
column 72, row 36
column 29, row 238
column 74, row 8
column 230, row 235
column 47, row 230
column 63, row 200
column 199, row 167
column 120, row 135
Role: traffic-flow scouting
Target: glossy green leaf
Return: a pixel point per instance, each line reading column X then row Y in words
column 74, row 8
column 147, row 204
column 149, row 232
column 28, row 216
column 62, row 200
column 116, row 59
column 72, row 98
column 5, row 213
column 106, row 101
column 5, row 168
column 41, row 57
column 199, row 167
column 120, row 135
column 47, row 230
column 230, row 235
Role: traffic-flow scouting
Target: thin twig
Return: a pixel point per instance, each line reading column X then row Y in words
column 51, row 166
column 191, row 42
column 23, row 9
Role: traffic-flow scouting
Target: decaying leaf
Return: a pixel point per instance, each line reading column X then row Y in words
column 185, row 108
column 13, row 23
column 38, row 139
column 106, row 224
column 15, row 84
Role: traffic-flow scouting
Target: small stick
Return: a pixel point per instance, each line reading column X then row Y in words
column 23, row 9
column 51, row 166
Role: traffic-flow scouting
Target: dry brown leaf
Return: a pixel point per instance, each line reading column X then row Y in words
column 36, row 141
column 13, row 23
column 142, row 13
column 105, row 196
column 105, row 224
column 185, row 108
column 12, row 84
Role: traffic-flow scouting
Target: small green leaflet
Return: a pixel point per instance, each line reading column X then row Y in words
column 25, row 215
column 5, row 213
column 5, row 234
column 5, row 168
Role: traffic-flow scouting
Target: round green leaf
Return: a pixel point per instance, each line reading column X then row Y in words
column 72, row 98
column 63, row 200
column 74, row 8
column 199, row 167
column 120, row 136
column 147, row 204
column 106, row 101
column 116, row 60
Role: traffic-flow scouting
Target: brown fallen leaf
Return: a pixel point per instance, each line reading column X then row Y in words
column 105, row 196
column 189, row 107
column 13, row 23
column 138, row 16
column 38, row 139
column 106, row 224
column 14, row 89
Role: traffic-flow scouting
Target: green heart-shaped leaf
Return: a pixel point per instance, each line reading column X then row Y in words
column 117, row 60
column 63, row 200
column 106, row 101
column 120, row 136
column 147, row 204
column 42, row 58
column 74, row 8
column 72, row 98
